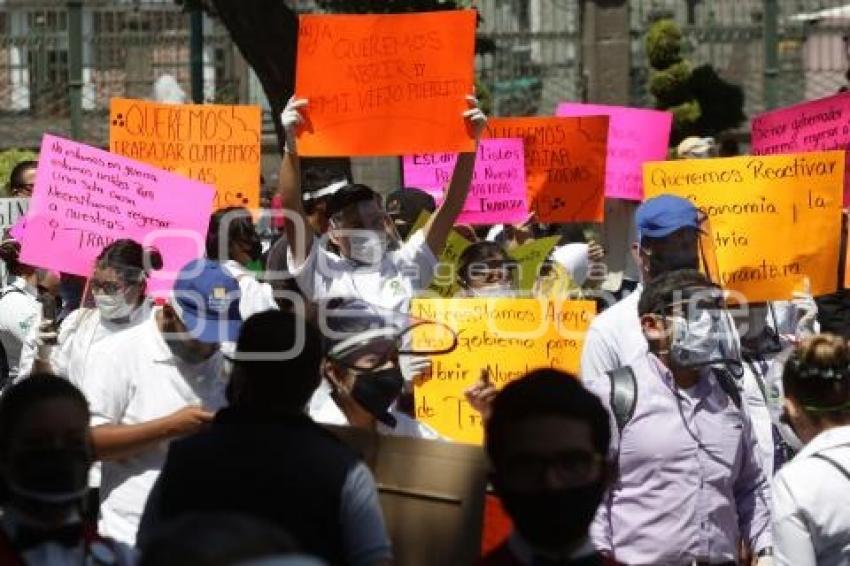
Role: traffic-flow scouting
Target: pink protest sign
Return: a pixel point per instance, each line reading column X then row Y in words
column 497, row 194
column 86, row 198
column 635, row 136
column 817, row 125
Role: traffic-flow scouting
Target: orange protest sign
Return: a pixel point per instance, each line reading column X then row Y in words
column 564, row 164
column 214, row 144
column 774, row 220
column 508, row 337
column 385, row 84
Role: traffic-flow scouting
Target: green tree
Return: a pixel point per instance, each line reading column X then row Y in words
column 702, row 102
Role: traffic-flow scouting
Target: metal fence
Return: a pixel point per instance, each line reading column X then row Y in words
column 126, row 47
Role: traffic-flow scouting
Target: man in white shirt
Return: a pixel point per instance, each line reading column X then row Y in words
column 371, row 265
column 165, row 379
column 668, row 231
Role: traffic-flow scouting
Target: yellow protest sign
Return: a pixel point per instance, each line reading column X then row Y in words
column 529, row 256
column 774, row 219
column 215, row 144
column 508, row 337
column 445, row 282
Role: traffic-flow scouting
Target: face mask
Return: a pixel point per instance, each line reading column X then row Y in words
column 184, row 353
column 550, row 520
column 113, row 307
column 53, row 476
column 368, row 250
column 495, row 290
column 375, row 391
column 256, row 251
column 694, row 342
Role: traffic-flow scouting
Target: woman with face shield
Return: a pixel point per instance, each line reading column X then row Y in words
column 811, row 494
column 484, row 269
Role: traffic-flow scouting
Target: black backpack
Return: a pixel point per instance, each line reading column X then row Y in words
column 624, row 392
column 5, row 369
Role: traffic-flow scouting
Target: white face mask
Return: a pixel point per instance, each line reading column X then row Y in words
column 694, row 342
column 368, row 249
column 113, row 307
column 495, row 290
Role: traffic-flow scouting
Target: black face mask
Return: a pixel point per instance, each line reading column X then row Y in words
column 55, row 477
column 551, row 520
column 375, row 391
column 256, row 251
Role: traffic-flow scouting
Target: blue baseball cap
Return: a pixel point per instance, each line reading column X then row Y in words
column 206, row 299
column 662, row 215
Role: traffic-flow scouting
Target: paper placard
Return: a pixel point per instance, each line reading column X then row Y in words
column 215, row 144
column 564, row 164
column 385, row 84
column 635, row 136
column 510, row 337
column 817, row 125
column 86, row 198
column 774, row 220
column 497, row 194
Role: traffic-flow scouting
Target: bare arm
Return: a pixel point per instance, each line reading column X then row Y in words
column 119, row 441
column 437, row 229
column 299, row 233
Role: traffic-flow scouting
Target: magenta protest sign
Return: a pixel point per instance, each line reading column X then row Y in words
column 498, row 192
column 86, row 198
column 635, row 136
column 818, row 125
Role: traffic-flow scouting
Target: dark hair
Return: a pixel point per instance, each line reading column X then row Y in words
column 349, row 195
column 213, row 539
column 129, row 259
column 478, row 252
column 545, row 392
column 10, row 254
column 818, row 375
column 16, row 177
column 240, row 228
column 19, row 399
column 669, row 287
column 286, row 383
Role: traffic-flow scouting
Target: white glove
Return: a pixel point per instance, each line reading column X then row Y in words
column 476, row 117
column 291, row 118
column 413, row 366
column 806, row 310
column 45, row 339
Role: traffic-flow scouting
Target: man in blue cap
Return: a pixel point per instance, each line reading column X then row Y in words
column 668, row 235
column 164, row 380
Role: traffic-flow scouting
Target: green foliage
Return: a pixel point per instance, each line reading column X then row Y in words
column 664, row 44
column 702, row 103
column 8, row 160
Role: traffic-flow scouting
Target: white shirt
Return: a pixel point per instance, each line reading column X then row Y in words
column 389, row 285
column 614, row 339
column 255, row 296
column 140, row 382
column 20, row 312
column 811, row 522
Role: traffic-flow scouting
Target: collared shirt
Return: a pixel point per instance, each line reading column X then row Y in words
column 811, row 499
column 389, row 285
column 614, row 338
column 143, row 381
column 254, row 296
column 689, row 482
column 20, row 312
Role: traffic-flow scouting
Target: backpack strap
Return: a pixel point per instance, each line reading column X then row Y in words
column 834, row 464
column 623, row 395
column 728, row 385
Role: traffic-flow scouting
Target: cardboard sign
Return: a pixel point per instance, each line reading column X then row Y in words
column 86, row 198
column 508, row 337
column 10, row 210
column 817, row 125
column 564, row 164
column 214, row 144
column 635, row 136
column 385, row 84
column 497, row 194
column 445, row 282
column 529, row 257
column 774, row 220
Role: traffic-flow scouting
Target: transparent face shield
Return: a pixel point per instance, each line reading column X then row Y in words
column 372, row 349
column 368, row 229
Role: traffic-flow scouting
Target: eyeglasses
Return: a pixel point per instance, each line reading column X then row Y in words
column 569, row 468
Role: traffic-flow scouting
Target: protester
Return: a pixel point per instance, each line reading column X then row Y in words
column 372, row 264
column 275, row 462
column 484, row 269
column 20, row 309
column 22, row 179
column 668, row 231
column 45, row 455
column 363, row 372
column 165, row 380
column 810, row 496
column 690, row 493
column 233, row 240
column 404, row 207
column 547, row 439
